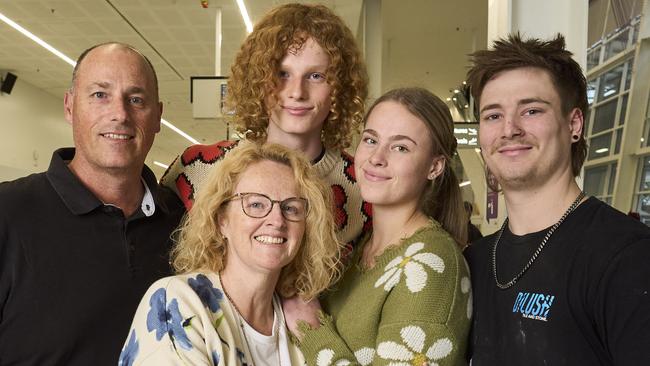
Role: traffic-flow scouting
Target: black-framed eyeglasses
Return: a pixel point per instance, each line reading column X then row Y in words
column 258, row 205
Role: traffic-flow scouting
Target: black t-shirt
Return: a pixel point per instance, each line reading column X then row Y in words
column 584, row 301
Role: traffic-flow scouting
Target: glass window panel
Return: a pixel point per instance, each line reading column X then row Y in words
column 591, row 90
column 610, row 83
column 599, row 146
column 594, row 184
column 621, row 119
column 628, row 75
column 617, row 144
column 593, row 58
column 616, row 45
column 604, row 117
column 643, row 206
column 586, row 127
column 612, row 178
column 635, row 33
column 645, row 175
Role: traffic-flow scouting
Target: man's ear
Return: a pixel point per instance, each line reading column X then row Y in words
column 68, row 105
column 576, row 122
column 437, row 167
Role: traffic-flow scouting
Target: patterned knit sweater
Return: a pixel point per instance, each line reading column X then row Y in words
column 413, row 306
column 187, row 320
column 189, row 172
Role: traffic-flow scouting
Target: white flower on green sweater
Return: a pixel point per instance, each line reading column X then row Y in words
column 412, row 352
column 411, row 263
column 364, row 356
column 326, row 356
column 466, row 288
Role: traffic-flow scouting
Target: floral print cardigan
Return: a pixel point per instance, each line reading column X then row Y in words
column 186, row 320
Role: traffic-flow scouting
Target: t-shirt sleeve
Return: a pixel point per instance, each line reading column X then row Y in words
column 624, row 305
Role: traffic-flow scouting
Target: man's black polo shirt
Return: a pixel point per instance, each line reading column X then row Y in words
column 73, row 270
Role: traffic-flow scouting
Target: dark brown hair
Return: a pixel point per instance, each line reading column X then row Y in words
column 441, row 198
column 550, row 56
column 254, row 74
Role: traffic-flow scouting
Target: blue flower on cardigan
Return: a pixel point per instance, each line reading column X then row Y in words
column 209, row 295
column 241, row 356
column 215, row 358
column 130, row 351
column 167, row 320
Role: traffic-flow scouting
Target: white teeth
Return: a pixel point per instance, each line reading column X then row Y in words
column 116, row 136
column 269, row 239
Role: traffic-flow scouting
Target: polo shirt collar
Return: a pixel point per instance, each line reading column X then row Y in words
column 79, row 199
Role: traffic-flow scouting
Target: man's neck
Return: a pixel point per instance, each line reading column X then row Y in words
column 532, row 210
column 121, row 189
column 311, row 146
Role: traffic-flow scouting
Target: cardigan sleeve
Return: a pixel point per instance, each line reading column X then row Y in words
column 171, row 322
column 425, row 316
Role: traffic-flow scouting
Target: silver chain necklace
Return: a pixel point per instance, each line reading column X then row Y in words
column 550, row 232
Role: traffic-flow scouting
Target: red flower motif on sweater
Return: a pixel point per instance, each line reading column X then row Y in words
column 185, row 191
column 340, row 199
column 366, row 210
column 207, row 154
column 348, row 167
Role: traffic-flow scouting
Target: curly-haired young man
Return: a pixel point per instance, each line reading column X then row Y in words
column 298, row 80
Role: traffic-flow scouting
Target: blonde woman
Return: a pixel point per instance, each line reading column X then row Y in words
column 405, row 298
column 261, row 228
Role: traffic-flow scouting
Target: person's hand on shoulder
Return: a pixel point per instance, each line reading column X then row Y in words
column 297, row 310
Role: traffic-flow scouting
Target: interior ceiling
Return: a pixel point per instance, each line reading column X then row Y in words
column 425, row 43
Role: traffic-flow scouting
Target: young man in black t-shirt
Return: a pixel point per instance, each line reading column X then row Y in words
column 566, row 281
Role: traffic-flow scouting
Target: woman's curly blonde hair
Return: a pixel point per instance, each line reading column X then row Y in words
column 201, row 246
column 254, row 76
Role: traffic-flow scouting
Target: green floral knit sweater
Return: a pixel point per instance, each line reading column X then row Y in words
column 413, row 306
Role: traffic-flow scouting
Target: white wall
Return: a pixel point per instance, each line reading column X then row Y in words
column 32, row 126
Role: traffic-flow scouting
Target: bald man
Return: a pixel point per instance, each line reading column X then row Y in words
column 81, row 242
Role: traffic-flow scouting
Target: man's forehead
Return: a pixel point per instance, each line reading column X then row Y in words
column 110, row 52
column 505, row 83
column 108, row 59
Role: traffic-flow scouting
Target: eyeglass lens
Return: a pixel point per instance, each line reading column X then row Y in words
column 258, row 206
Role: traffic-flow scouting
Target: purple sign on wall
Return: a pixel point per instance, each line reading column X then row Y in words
column 492, row 205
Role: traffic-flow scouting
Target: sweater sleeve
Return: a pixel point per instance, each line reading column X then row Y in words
column 171, row 324
column 169, row 177
column 324, row 346
column 425, row 316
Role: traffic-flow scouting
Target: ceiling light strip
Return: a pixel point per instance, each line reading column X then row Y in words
column 179, row 131
column 31, row 36
column 244, row 15
column 72, row 63
column 164, row 166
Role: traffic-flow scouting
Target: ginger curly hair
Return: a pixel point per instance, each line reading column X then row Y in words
column 254, row 75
